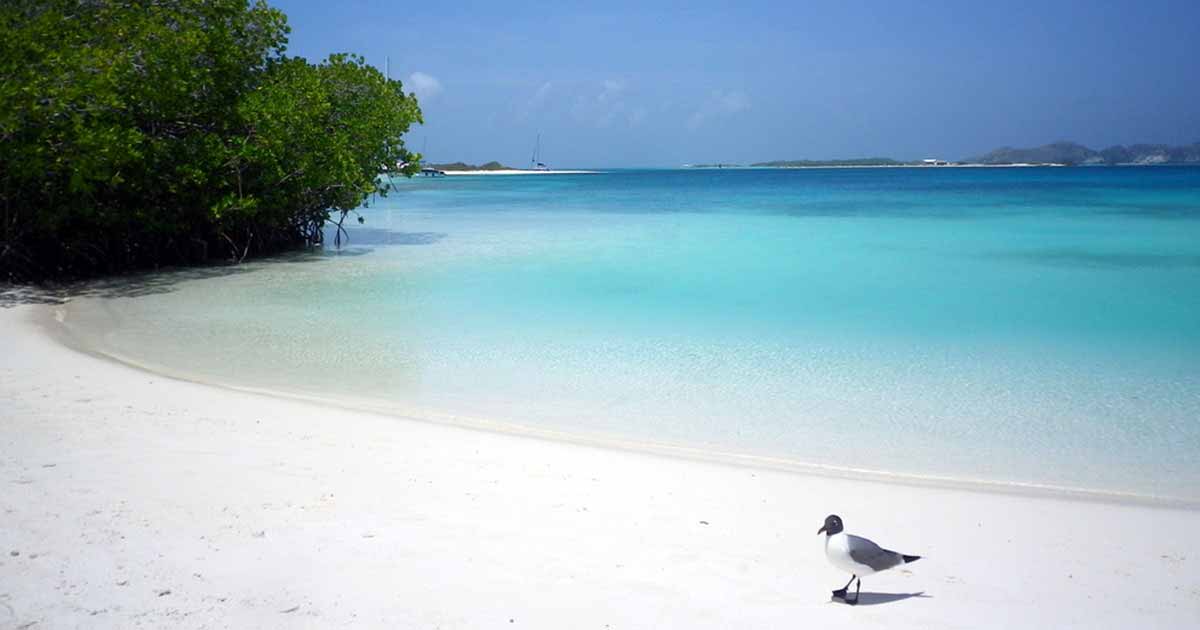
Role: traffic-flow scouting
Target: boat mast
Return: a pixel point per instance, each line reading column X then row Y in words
column 536, row 147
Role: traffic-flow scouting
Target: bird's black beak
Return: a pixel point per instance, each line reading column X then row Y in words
column 822, row 530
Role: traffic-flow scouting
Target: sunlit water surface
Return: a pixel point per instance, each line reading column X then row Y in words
column 1017, row 325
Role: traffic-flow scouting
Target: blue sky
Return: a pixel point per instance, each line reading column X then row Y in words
column 663, row 84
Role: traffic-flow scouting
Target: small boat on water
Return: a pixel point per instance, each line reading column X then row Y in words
column 535, row 162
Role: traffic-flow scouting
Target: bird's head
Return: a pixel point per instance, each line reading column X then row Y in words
column 833, row 525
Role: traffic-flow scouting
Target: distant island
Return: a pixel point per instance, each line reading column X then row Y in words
column 463, row 166
column 1054, row 154
column 872, row 161
column 1070, row 153
column 492, row 168
column 875, row 161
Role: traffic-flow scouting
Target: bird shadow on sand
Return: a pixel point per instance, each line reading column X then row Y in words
column 874, row 599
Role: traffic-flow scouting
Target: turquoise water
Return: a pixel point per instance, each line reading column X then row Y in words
column 1014, row 325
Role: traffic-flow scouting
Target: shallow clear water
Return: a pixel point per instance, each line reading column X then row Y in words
column 1026, row 325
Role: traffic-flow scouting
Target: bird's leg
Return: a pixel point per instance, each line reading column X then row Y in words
column 841, row 592
column 857, row 590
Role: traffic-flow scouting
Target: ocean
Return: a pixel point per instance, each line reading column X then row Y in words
column 1034, row 326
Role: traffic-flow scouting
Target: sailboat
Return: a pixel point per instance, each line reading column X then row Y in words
column 534, row 163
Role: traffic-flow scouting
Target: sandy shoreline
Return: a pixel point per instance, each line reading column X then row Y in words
column 46, row 322
column 136, row 499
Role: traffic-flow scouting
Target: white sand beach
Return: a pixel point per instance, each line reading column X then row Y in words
column 134, row 500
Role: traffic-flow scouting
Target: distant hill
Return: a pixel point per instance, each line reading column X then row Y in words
column 463, row 166
column 1072, row 153
column 876, row 161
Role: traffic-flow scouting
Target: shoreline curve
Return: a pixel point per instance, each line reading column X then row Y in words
column 51, row 320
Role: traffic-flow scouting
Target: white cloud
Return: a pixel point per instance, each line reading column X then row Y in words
column 539, row 97
column 424, row 86
column 720, row 103
column 612, row 90
column 524, row 110
column 609, row 104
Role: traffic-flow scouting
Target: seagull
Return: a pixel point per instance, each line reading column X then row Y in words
column 857, row 556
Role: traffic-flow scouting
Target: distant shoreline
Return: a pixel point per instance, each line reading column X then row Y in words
column 1054, row 154
column 493, row 168
column 921, row 166
column 520, row 171
column 931, row 167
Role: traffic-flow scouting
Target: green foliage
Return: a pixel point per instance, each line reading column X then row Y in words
column 147, row 132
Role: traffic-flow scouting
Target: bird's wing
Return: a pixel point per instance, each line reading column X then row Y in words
column 869, row 554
